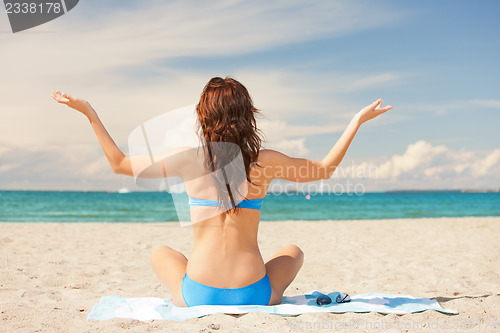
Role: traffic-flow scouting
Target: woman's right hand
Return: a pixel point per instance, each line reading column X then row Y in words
column 371, row 111
column 75, row 103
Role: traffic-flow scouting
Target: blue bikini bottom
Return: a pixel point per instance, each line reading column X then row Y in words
column 194, row 293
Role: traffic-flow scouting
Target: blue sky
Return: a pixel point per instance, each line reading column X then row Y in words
column 309, row 65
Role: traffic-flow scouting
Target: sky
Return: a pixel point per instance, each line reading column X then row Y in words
column 308, row 65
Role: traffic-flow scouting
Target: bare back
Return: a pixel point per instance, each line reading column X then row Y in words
column 226, row 252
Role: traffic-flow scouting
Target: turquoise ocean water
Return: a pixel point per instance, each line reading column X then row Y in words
column 46, row 206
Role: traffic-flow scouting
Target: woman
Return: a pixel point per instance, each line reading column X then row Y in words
column 226, row 266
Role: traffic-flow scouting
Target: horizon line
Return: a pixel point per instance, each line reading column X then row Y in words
column 126, row 190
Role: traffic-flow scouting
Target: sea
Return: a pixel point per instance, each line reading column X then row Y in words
column 65, row 206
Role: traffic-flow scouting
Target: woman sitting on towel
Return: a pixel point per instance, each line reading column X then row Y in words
column 226, row 266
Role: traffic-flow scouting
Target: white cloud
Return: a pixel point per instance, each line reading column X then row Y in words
column 292, row 147
column 351, row 83
column 425, row 166
column 421, row 166
column 278, row 131
column 77, row 167
column 417, row 157
column 442, row 108
column 104, row 58
column 487, row 103
column 482, row 167
column 161, row 30
column 286, row 102
column 7, row 167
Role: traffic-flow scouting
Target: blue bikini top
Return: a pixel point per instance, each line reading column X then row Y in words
column 250, row 203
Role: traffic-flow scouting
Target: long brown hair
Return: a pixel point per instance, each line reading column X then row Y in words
column 226, row 114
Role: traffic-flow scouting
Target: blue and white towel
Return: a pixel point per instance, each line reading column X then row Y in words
column 148, row 308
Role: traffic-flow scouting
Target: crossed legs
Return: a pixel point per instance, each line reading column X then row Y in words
column 170, row 267
column 282, row 269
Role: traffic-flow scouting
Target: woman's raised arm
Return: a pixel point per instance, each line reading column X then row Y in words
column 119, row 162
column 169, row 163
column 337, row 153
column 284, row 167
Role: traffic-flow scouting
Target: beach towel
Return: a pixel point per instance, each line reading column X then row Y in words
column 148, row 308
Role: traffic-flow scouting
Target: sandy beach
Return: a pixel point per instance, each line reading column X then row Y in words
column 52, row 274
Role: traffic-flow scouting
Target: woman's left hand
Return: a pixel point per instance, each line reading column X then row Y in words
column 371, row 111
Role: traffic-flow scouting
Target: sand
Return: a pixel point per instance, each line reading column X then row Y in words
column 52, row 274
